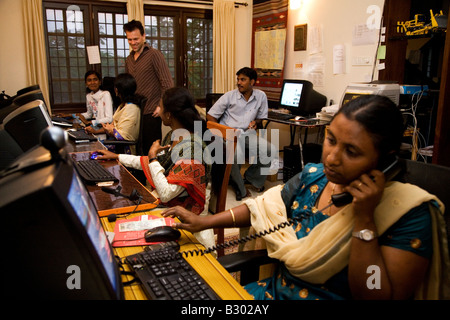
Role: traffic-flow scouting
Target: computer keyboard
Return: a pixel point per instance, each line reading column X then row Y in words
column 165, row 274
column 279, row 115
column 81, row 135
column 92, row 172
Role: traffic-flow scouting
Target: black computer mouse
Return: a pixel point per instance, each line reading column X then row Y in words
column 162, row 234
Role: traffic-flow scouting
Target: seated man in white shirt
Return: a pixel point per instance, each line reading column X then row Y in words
column 243, row 109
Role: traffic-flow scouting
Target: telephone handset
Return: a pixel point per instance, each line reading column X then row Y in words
column 390, row 168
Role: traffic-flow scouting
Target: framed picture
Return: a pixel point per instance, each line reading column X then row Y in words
column 300, row 33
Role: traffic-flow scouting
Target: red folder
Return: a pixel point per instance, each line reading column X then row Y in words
column 130, row 232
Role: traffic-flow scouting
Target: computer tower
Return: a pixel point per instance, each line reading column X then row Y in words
column 292, row 163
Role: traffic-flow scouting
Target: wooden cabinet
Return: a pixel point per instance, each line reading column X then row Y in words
column 437, row 66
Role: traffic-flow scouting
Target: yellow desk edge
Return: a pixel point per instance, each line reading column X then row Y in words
column 206, row 265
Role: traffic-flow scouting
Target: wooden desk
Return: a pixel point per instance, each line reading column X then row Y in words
column 106, row 203
column 207, row 266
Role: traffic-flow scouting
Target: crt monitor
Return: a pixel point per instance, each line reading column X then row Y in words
column 55, row 246
column 299, row 97
column 354, row 90
column 27, row 96
column 24, row 123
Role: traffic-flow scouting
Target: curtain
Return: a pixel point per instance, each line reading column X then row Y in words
column 223, row 46
column 135, row 10
column 36, row 58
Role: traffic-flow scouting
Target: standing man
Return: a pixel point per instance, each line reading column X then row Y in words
column 153, row 77
column 244, row 108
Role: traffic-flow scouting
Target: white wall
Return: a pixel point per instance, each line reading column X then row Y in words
column 337, row 20
column 12, row 49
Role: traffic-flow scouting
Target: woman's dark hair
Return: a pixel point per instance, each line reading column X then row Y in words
column 181, row 105
column 380, row 117
column 126, row 88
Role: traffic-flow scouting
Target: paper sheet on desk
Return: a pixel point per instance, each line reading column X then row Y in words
column 130, row 232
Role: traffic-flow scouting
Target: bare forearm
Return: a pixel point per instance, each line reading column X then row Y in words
column 211, row 118
column 236, row 217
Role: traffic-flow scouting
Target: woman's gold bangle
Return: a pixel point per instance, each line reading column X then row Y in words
column 232, row 215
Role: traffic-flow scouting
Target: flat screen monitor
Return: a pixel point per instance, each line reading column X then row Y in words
column 299, row 97
column 56, row 246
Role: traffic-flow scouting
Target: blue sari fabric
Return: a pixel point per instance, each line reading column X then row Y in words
column 300, row 194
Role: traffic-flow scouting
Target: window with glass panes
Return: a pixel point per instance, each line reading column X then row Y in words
column 185, row 39
column 160, row 34
column 69, row 30
column 199, row 56
column 66, row 37
column 183, row 35
column 113, row 43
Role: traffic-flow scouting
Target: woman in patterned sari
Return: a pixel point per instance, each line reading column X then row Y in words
column 177, row 168
column 389, row 242
column 126, row 119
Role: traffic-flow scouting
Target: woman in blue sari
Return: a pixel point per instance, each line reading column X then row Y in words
column 384, row 244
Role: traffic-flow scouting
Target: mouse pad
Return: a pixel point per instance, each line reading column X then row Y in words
column 130, row 232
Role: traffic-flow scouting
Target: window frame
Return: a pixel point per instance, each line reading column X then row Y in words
column 180, row 14
column 91, row 34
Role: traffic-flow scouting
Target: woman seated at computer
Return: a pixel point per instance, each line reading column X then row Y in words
column 126, row 119
column 383, row 245
column 177, row 167
column 99, row 103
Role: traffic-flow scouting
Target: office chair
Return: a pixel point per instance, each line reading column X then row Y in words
column 220, row 175
column 211, row 98
column 430, row 177
column 120, row 144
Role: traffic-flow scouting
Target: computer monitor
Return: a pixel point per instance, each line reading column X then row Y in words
column 54, row 244
column 28, row 89
column 24, row 123
column 354, row 90
column 299, row 97
column 9, row 149
column 28, row 96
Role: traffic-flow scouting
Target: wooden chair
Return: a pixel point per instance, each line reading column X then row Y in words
column 220, row 173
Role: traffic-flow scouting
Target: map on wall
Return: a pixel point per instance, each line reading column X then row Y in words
column 269, row 49
column 269, row 44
